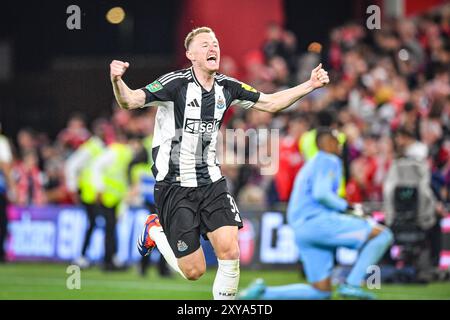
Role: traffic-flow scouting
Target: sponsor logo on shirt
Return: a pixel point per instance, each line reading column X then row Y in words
column 198, row 126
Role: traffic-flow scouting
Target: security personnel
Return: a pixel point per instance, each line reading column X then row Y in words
column 78, row 172
column 111, row 184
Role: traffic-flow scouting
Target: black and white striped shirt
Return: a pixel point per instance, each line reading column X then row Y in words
column 187, row 124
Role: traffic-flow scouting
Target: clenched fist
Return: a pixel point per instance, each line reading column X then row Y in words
column 319, row 77
column 117, row 69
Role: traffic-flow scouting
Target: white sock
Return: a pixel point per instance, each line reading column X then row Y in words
column 226, row 283
column 157, row 234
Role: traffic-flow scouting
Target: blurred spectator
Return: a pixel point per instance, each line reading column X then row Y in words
column 26, row 141
column 29, row 181
column 290, row 160
column 280, row 42
column 75, row 133
column 407, row 145
column 409, row 119
column 6, row 189
column 229, row 67
column 279, row 70
column 364, row 185
column 55, row 189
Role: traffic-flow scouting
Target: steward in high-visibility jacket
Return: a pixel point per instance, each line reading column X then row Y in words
column 78, row 169
column 110, row 173
column 140, row 175
column 79, row 181
column 111, row 183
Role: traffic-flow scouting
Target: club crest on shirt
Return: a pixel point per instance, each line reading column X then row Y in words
column 182, row 246
column 154, row 86
column 220, row 103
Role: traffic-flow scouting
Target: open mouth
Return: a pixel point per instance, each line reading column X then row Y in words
column 212, row 58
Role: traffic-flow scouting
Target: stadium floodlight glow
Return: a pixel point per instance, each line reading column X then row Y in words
column 315, row 47
column 115, row 15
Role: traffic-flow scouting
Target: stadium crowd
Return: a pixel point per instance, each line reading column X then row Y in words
column 393, row 81
column 397, row 77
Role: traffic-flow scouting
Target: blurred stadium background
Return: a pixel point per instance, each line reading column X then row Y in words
column 54, row 83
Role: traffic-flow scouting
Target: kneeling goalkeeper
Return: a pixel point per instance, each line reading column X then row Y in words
column 316, row 213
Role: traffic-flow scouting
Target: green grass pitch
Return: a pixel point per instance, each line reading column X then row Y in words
column 48, row 281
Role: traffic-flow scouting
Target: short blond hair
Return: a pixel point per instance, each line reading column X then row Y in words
column 190, row 36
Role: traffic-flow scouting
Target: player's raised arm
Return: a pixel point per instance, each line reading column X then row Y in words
column 280, row 100
column 126, row 97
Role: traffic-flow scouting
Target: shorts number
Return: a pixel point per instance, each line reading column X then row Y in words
column 234, row 207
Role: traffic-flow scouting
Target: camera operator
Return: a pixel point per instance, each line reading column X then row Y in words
column 410, row 205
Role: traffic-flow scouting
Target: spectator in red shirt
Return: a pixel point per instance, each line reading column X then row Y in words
column 290, row 160
column 364, row 185
column 28, row 178
column 75, row 134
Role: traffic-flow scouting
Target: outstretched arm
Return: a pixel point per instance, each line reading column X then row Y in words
column 126, row 97
column 280, row 100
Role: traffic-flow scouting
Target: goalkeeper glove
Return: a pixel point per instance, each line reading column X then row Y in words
column 356, row 210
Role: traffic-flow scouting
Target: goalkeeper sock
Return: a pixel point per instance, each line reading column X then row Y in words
column 157, row 234
column 369, row 255
column 297, row 291
column 226, row 283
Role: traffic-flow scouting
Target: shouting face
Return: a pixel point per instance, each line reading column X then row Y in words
column 204, row 52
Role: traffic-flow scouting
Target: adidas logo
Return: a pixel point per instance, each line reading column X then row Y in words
column 194, row 103
column 237, row 218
